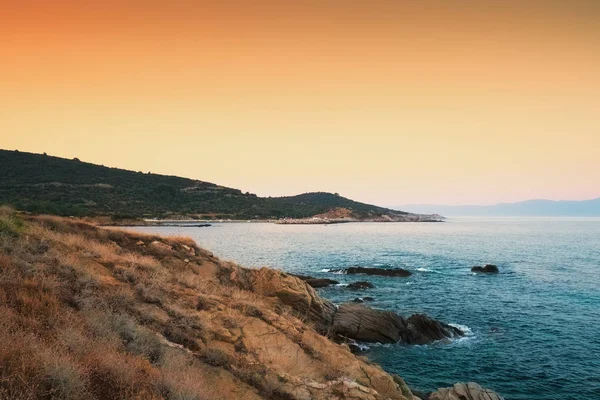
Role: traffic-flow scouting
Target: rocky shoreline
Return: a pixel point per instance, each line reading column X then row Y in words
column 166, row 304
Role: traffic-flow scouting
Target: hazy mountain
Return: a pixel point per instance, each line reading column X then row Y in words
column 529, row 208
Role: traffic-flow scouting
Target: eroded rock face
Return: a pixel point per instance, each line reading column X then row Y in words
column 487, row 269
column 393, row 272
column 465, row 391
column 350, row 320
column 368, row 325
column 290, row 290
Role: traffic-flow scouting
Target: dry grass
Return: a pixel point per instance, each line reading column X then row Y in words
column 92, row 313
column 66, row 334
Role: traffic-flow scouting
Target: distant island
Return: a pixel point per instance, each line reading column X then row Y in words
column 529, row 208
column 43, row 184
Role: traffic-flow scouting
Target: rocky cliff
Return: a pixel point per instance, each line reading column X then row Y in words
column 90, row 313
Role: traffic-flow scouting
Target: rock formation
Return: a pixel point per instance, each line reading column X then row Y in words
column 362, row 323
column 465, row 391
column 349, row 320
column 363, row 299
column 360, row 285
column 487, row 269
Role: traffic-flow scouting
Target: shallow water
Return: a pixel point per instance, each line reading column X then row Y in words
column 534, row 329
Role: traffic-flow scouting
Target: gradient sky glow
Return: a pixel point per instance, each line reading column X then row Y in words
column 384, row 101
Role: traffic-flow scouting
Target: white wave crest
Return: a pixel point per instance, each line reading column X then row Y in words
column 465, row 329
column 422, row 269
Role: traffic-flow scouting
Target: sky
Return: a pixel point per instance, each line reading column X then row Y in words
column 383, row 101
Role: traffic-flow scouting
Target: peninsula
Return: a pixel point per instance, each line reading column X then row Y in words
column 42, row 184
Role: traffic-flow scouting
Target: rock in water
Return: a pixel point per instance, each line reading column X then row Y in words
column 487, row 269
column 360, row 285
column 316, row 282
column 465, row 391
column 423, row 329
column 320, row 282
column 363, row 299
column 395, row 272
column 369, row 325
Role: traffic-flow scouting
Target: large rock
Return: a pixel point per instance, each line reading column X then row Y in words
column 393, row 272
column 369, row 325
column 487, row 269
column 423, row 329
column 465, row 391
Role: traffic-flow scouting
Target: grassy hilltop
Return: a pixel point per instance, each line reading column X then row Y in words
column 51, row 185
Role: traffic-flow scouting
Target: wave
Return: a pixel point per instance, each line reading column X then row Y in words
column 467, row 331
column 421, row 269
column 469, row 335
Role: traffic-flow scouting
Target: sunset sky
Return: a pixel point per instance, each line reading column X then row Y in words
column 383, row 101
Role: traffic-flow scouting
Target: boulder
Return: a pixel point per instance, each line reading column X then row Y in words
column 393, row 272
column 368, row 325
column 365, row 324
column 423, row 330
column 360, row 285
column 487, row 269
column 465, row 391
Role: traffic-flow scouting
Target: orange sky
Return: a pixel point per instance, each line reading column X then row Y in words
column 385, row 101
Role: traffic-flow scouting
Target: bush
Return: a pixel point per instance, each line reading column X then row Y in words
column 10, row 224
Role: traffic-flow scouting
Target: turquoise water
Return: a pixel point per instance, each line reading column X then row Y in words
column 534, row 329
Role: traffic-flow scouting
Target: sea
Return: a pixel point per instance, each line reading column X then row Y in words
column 532, row 331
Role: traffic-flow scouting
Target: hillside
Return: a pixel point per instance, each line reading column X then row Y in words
column 52, row 185
column 91, row 313
column 529, row 208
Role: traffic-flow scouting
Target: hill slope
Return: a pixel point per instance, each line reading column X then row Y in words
column 53, row 185
column 91, row 313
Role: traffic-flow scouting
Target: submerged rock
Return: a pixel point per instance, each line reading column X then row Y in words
column 369, row 325
column 363, row 299
column 465, row 391
column 487, row 269
column 395, row 272
column 360, row 285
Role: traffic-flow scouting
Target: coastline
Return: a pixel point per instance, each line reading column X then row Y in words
column 281, row 221
column 226, row 306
